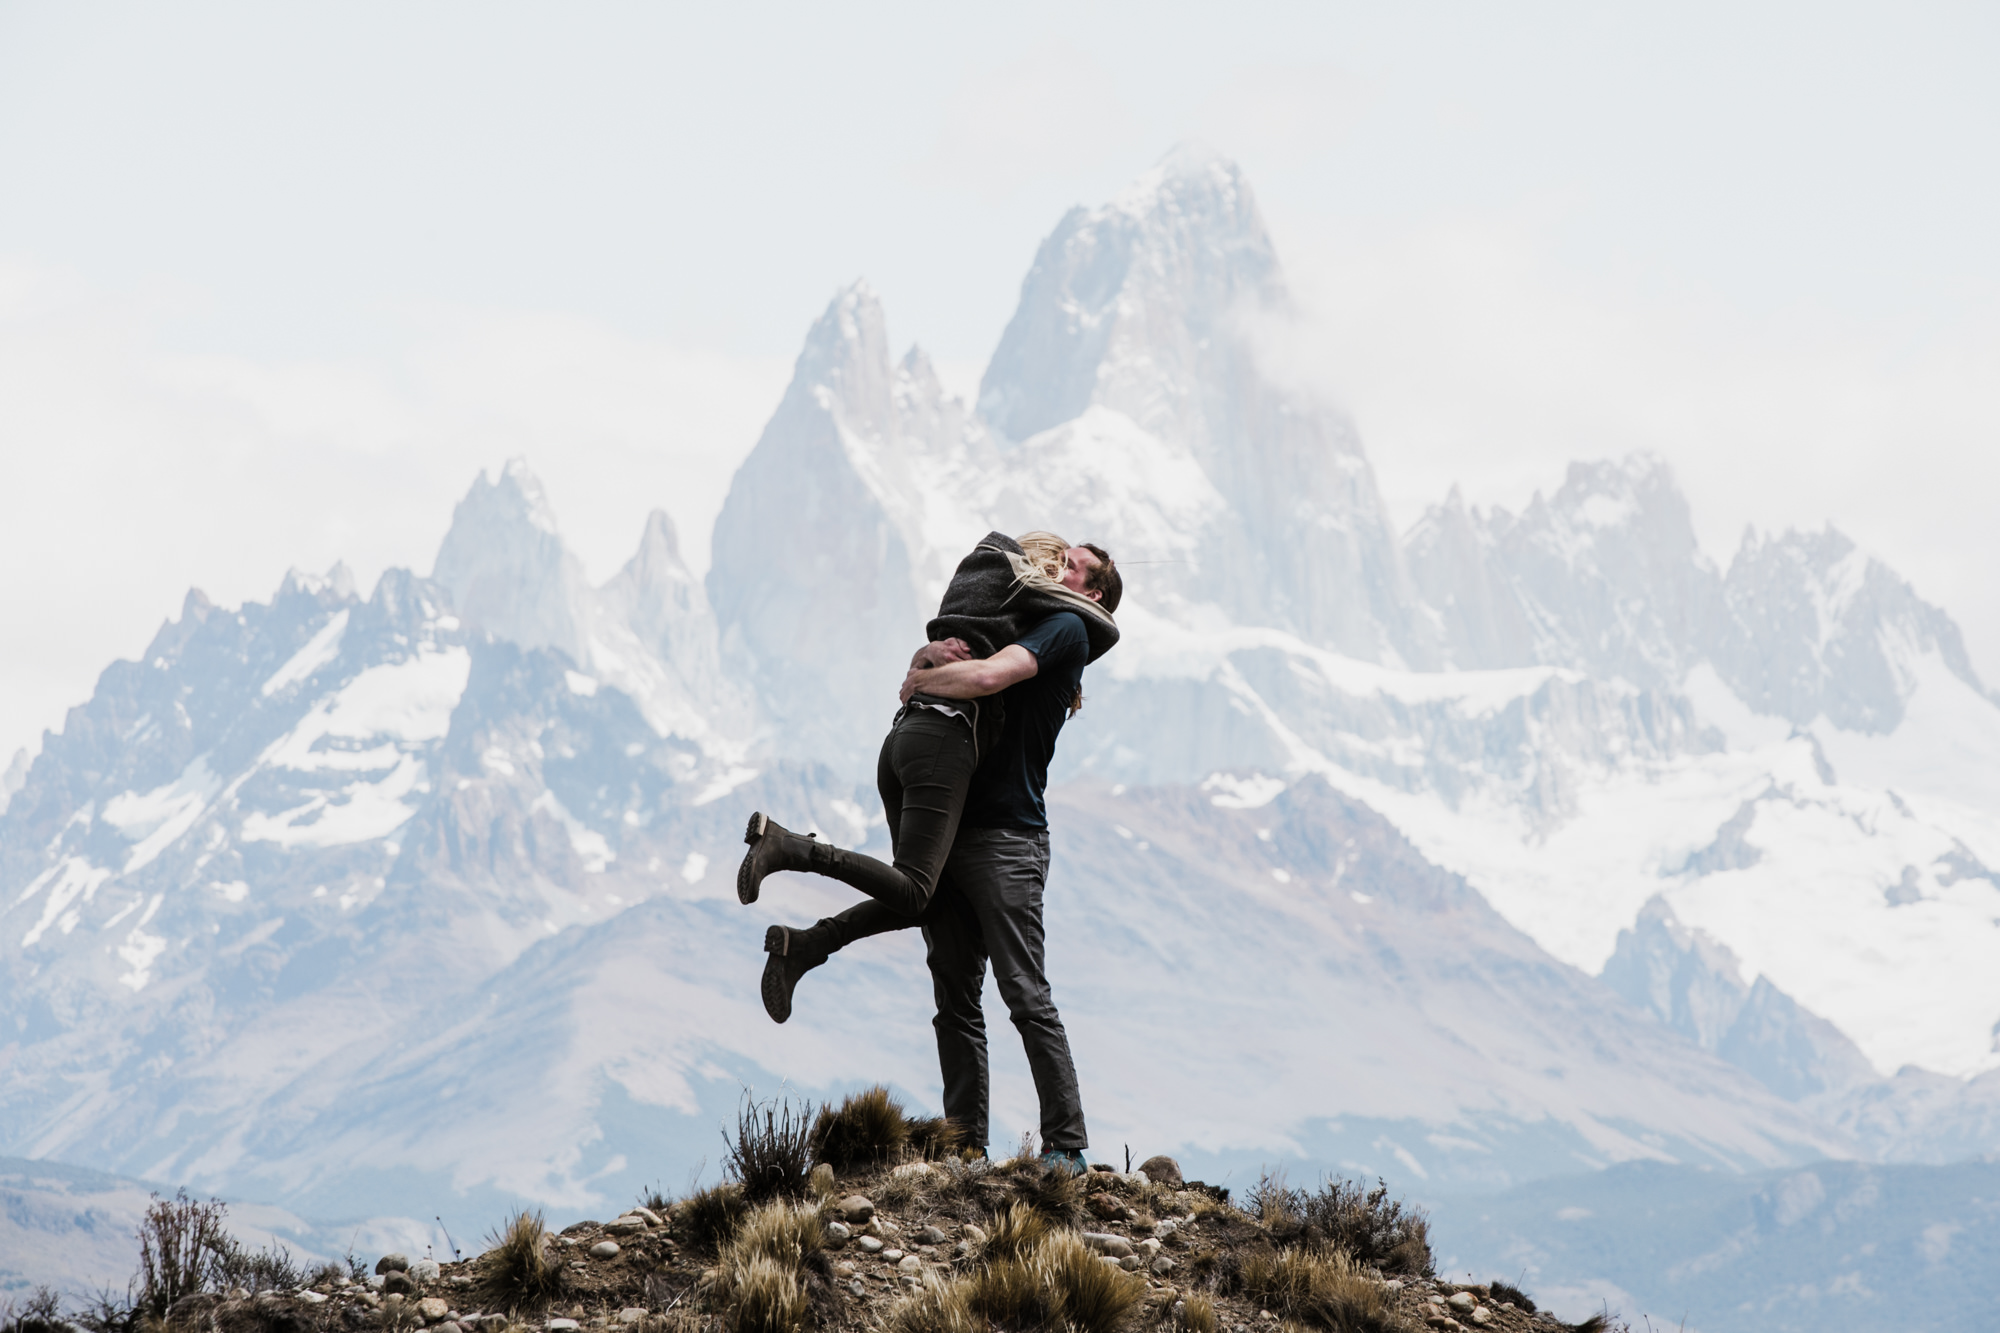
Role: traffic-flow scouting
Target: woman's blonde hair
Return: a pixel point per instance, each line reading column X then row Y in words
column 1047, row 553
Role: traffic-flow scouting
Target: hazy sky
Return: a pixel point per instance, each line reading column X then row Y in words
column 276, row 280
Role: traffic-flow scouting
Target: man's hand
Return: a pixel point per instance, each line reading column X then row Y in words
column 939, row 653
column 973, row 678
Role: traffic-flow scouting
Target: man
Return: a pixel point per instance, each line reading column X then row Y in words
column 988, row 902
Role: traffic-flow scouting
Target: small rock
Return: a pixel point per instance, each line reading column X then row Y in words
column 1162, row 1170
column 837, row 1234
column 1461, row 1301
column 1267, row 1315
column 1393, row 1284
column 910, row 1264
column 845, row 1268
column 392, row 1263
column 460, row 1280
column 1108, row 1259
column 1131, row 1263
column 856, row 1209
column 396, row 1282
column 312, row 1298
column 1481, row 1315
column 432, row 1308
column 911, row 1171
column 1166, row 1228
column 973, row 1232
column 448, row 1326
column 1106, row 1243
column 1162, row 1265
column 932, row 1235
column 562, row 1326
column 631, row 1314
column 892, row 1256
column 375, row 1283
column 653, row 1219
column 1105, row 1205
column 625, row 1226
column 493, row 1323
column 870, row 1244
column 962, row 1250
column 426, row 1270
column 1149, row 1247
column 568, row 1242
column 858, row 1287
column 604, row 1249
column 392, row 1302
column 883, row 1227
column 371, row 1300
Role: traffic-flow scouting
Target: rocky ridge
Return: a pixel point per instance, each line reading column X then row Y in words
column 888, row 1238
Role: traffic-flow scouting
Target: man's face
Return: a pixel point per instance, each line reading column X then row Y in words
column 1081, row 562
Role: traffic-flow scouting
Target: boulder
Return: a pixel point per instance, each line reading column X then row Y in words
column 856, row 1209
column 393, row 1263
column 1162, row 1170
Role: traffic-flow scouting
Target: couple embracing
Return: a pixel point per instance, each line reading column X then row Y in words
column 962, row 775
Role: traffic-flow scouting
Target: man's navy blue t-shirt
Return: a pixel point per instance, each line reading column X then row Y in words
column 1007, row 788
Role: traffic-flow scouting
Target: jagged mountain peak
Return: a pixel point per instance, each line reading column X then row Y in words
column 1133, row 304
column 506, row 567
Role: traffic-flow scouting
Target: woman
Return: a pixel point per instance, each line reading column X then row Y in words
column 998, row 591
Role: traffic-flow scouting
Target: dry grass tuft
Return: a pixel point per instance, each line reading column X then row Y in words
column 933, row 1138
column 1319, row 1287
column 867, row 1129
column 708, row 1219
column 1015, row 1234
column 771, row 1155
column 1198, row 1314
column 760, row 1296
column 516, row 1272
column 789, row 1235
column 1056, row 1195
column 1059, row 1284
column 1275, row 1206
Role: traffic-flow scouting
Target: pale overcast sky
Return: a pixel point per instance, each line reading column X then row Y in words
column 276, row 280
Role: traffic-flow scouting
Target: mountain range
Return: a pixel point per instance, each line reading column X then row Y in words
column 1506, row 847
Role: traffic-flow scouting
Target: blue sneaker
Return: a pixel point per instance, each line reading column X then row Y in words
column 1070, row 1160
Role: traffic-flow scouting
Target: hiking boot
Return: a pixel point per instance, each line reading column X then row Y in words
column 772, row 848
column 793, row 954
column 1068, row 1160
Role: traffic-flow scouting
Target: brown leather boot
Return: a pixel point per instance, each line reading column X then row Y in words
column 772, row 848
column 793, row 954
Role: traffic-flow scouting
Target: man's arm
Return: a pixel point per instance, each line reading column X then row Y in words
column 940, row 651
column 972, row 679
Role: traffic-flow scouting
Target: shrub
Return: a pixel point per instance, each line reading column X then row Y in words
column 254, row 1270
column 107, row 1312
column 516, row 1271
column 868, row 1128
column 1320, row 1287
column 1370, row 1226
column 771, row 1155
column 39, row 1313
column 179, row 1241
column 707, row 1219
column 1507, row 1291
column 1274, row 1206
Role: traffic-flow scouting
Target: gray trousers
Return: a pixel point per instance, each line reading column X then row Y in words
column 988, row 904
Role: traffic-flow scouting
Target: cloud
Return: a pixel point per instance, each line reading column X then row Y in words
column 1470, row 352
column 1052, row 114
column 134, row 474
column 1282, row 114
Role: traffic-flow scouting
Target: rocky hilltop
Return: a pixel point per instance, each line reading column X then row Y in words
column 936, row 1242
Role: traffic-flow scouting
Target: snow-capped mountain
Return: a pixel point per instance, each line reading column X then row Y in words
column 352, row 902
